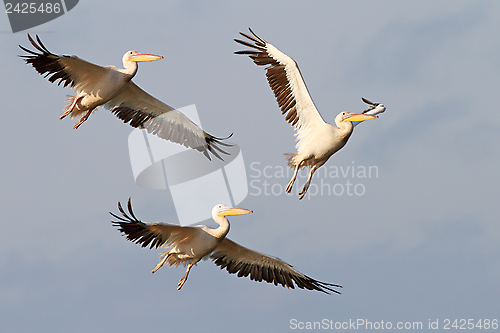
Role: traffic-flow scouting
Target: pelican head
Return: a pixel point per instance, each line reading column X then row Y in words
column 354, row 117
column 140, row 57
column 223, row 210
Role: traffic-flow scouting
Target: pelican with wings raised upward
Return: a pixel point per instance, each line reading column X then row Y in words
column 113, row 88
column 188, row 245
column 317, row 140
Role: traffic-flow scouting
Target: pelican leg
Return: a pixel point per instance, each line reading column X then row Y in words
column 83, row 119
column 184, row 278
column 306, row 186
column 292, row 181
column 161, row 263
column 71, row 107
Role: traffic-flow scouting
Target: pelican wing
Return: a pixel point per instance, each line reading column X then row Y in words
column 69, row 70
column 285, row 80
column 152, row 235
column 135, row 106
column 238, row 259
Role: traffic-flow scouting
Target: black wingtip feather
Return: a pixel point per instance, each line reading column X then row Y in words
column 143, row 120
column 213, row 144
column 135, row 230
column 47, row 63
column 274, row 275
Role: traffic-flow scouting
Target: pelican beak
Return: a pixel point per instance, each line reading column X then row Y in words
column 226, row 211
column 140, row 57
column 356, row 117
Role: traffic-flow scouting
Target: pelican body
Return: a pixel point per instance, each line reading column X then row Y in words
column 111, row 84
column 94, row 85
column 317, row 140
column 188, row 245
column 320, row 144
column 114, row 89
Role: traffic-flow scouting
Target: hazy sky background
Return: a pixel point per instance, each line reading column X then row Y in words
column 421, row 243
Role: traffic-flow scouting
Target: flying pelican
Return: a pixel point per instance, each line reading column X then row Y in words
column 316, row 139
column 113, row 88
column 188, row 245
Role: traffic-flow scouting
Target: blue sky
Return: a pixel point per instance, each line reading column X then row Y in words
column 420, row 244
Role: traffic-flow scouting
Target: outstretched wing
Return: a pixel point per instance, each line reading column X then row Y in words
column 69, row 70
column 238, row 259
column 285, row 80
column 152, row 235
column 135, row 106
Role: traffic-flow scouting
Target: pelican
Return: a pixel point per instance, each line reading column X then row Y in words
column 316, row 139
column 113, row 89
column 188, row 245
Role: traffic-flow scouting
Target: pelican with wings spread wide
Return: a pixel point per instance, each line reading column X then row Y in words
column 317, row 140
column 113, row 88
column 188, row 245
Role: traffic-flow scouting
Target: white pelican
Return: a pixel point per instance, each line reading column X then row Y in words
column 316, row 139
column 188, row 245
column 113, row 88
